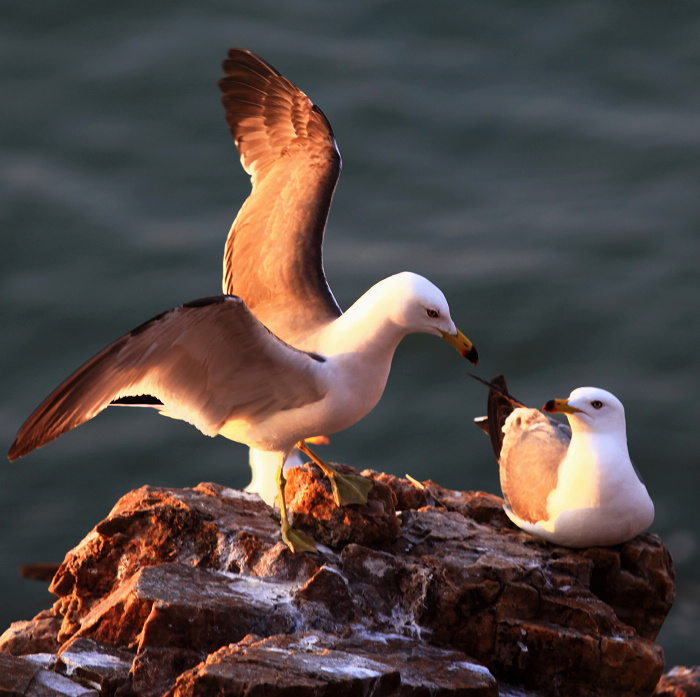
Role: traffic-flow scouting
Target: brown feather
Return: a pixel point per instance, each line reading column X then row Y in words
column 528, row 476
column 287, row 146
column 195, row 360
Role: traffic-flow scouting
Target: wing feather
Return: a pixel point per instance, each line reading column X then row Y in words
column 529, row 446
column 534, row 445
column 206, row 362
column 273, row 256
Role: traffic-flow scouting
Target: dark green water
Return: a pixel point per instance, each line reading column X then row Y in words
column 539, row 161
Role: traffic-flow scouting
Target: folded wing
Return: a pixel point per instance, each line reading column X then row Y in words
column 534, row 446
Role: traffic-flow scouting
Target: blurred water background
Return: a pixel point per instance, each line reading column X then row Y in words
column 539, row 161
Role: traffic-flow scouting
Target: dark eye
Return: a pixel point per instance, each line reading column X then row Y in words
column 596, row 404
column 432, row 313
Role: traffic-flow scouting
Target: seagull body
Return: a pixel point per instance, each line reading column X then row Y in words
column 213, row 364
column 273, row 361
column 571, row 485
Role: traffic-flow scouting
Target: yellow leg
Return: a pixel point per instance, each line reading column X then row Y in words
column 294, row 539
column 347, row 488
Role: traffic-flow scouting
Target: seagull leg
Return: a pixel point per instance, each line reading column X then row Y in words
column 296, row 540
column 347, row 488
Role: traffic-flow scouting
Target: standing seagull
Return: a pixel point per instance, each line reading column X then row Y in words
column 278, row 362
column 572, row 485
column 287, row 147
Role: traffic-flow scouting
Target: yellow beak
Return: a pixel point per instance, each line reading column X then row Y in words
column 559, row 406
column 463, row 345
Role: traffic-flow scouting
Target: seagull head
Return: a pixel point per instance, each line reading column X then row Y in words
column 591, row 408
column 421, row 307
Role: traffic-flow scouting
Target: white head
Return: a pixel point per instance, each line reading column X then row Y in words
column 417, row 305
column 592, row 409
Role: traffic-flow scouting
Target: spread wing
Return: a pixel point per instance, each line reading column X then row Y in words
column 273, row 256
column 204, row 362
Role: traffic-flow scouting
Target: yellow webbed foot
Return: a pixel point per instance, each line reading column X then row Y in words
column 346, row 488
column 349, row 488
column 296, row 540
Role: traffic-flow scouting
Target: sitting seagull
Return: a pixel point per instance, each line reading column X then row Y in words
column 219, row 363
column 574, row 486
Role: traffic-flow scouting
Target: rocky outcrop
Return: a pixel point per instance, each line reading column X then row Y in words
column 679, row 682
column 423, row 591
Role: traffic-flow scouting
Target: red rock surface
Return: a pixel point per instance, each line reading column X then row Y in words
column 679, row 682
column 313, row 663
column 423, row 591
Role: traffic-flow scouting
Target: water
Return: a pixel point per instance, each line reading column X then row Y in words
column 539, row 162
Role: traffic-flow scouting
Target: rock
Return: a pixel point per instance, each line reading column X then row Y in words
column 309, row 497
column 20, row 677
column 36, row 636
column 16, row 674
column 316, row 664
column 423, row 591
column 635, row 579
column 679, row 682
column 104, row 666
column 621, row 577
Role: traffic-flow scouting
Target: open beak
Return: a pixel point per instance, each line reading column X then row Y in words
column 463, row 345
column 559, row 406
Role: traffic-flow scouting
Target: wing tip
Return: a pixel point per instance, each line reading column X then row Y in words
column 33, row 435
column 20, row 448
column 239, row 54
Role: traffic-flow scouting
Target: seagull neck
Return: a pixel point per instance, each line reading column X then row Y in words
column 366, row 327
column 584, row 429
column 596, row 452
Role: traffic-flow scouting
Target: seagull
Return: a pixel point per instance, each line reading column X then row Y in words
column 572, row 485
column 276, row 361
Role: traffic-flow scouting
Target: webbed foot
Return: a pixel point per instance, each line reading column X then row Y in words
column 346, row 488
column 296, row 540
column 349, row 488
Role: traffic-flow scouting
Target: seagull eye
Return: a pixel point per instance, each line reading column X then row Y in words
column 596, row 404
column 432, row 313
